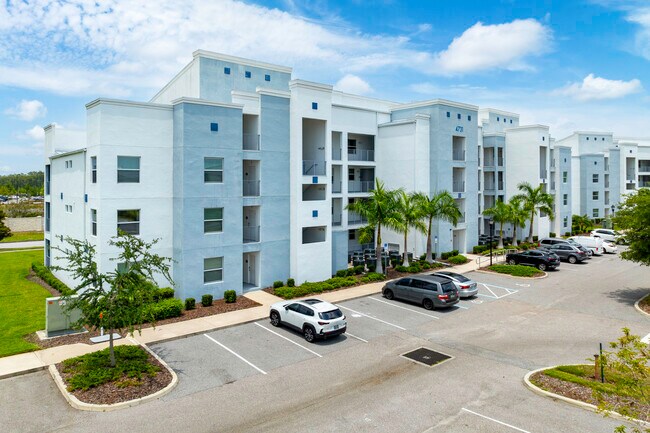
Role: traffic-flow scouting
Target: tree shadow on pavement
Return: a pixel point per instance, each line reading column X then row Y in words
column 629, row 296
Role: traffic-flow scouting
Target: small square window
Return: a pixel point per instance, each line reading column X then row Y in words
column 498, row 119
column 510, row 120
column 226, row 71
column 448, row 114
column 543, row 138
column 594, row 178
column 214, row 127
column 603, row 138
column 469, row 118
column 247, row 74
column 128, row 169
column 595, row 162
column 213, row 220
column 314, row 213
column 594, row 195
column 587, row 138
column 267, row 77
column 458, row 116
column 314, row 105
column 504, row 120
column 128, row 221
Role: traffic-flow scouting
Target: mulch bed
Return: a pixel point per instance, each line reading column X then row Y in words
column 581, row 393
column 109, row 393
column 645, row 304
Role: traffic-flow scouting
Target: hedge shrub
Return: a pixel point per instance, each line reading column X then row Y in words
column 342, row 273
column 552, row 235
column 165, row 309
column 358, row 269
column 478, row 249
column 448, row 254
column 401, row 268
column 458, row 259
column 373, row 276
column 163, row 293
column 190, row 303
column 516, row 270
column 206, row 300
column 46, row 275
column 317, row 287
column 230, row 296
column 277, row 284
column 291, row 282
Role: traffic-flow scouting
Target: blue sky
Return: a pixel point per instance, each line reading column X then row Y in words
column 572, row 65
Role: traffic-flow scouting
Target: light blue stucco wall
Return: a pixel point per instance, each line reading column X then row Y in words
column 564, row 188
column 215, row 85
column 614, row 176
column 339, row 250
column 589, row 165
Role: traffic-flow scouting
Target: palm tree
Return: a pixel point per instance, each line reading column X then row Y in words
column 379, row 209
column 518, row 217
column 581, row 224
column 410, row 215
column 440, row 206
column 500, row 213
column 534, row 200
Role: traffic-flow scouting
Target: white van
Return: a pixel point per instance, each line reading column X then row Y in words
column 593, row 243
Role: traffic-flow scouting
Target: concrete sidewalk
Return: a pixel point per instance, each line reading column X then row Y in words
column 21, row 245
column 41, row 359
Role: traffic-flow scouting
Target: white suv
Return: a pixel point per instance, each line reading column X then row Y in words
column 606, row 235
column 312, row 317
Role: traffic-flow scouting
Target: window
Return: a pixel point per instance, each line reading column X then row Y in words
column 93, row 222
column 448, row 114
column 543, row 138
column 469, row 118
column 594, row 178
column 595, row 162
column 510, row 120
column 213, row 170
column 504, row 120
column 350, row 173
column 93, row 169
column 47, row 216
column 247, row 74
column 212, row 270
column 352, row 235
column 595, row 213
column 498, row 119
column 314, row 105
column 603, row 138
column 47, row 179
column 226, row 71
column 128, row 169
column 68, row 208
column 594, row 195
column 458, row 116
column 587, row 138
column 565, row 176
column 267, row 77
column 68, row 163
column 128, row 221
column 47, row 252
column 213, row 220
column 565, row 199
column 565, row 222
column 214, row 127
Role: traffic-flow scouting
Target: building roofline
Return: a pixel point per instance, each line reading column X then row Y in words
column 356, row 107
column 122, row 102
column 397, row 122
column 497, row 111
column 535, row 126
column 241, row 60
column 430, row 102
column 494, row 134
column 311, row 85
column 173, row 80
column 365, row 98
column 272, row 92
column 186, row 100
column 68, row 153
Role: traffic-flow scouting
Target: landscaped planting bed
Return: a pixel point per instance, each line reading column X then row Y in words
column 516, row 270
column 645, row 304
column 290, row 290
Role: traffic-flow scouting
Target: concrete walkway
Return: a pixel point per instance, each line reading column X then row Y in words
column 41, row 359
column 20, row 245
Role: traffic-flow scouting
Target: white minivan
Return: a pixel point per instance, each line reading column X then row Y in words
column 593, row 243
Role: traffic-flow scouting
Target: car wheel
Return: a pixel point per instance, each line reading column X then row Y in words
column 427, row 304
column 512, row 262
column 388, row 294
column 309, row 334
column 541, row 267
column 572, row 259
column 275, row 318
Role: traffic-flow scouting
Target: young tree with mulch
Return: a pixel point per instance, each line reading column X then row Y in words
column 4, row 230
column 115, row 300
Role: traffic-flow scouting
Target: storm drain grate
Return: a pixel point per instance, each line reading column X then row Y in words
column 426, row 356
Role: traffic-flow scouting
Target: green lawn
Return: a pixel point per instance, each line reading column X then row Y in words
column 22, row 303
column 23, row 236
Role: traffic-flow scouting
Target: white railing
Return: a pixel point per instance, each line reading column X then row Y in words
column 459, row 186
column 251, row 141
column 355, row 218
column 251, row 188
column 361, row 155
column 313, row 167
column 251, row 234
column 361, row 185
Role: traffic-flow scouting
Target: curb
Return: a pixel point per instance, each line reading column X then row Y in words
column 512, row 276
column 22, row 372
column 638, row 308
column 578, row 403
column 79, row 405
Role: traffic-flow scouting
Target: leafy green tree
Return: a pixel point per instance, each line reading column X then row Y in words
column 581, row 224
column 25, row 183
column 380, row 210
column 440, row 206
column 535, row 200
column 410, row 215
column 115, row 300
column 500, row 213
column 4, row 230
column 633, row 216
column 518, row 217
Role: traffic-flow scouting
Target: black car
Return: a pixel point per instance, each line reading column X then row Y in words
column 542, row 260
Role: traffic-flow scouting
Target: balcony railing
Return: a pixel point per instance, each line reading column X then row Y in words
column 313, row 167
column 462, row 218
column 542, row 173
column 500, row 162
column 458, row 155
column 489, row 162
column 336, row 153
column 251, row 141
column 361, row 155
column 361, row 185
column 500, row 186
column 336, row 187
column 251, row 234
column 631, row 178
column 336, row 220
column 644, row 167
column 489, row 186
column 355, row 218
column 459, row 186
column 251, row 188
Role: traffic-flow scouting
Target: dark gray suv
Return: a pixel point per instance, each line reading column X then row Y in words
column 568, row 252
column 427, row 290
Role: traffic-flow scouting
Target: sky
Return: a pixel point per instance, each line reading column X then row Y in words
column 571, row 64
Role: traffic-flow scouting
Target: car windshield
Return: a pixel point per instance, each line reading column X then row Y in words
column 330, row 315
column 448, row 287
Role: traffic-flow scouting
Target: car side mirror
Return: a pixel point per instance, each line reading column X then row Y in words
column 286, row 307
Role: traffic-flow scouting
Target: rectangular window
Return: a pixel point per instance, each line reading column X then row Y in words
column 594, row 195
column 213, row 170
column 128, row 169
column 448, row 114
column 213, row 220
column 595, row 213
column 594, row 178
column 93, row 169
column 350, row 173
column 352, row 235
column 267, row 77
column 212, row 270
column 469, row 118
column 93, row 222
column 247, row 74
column 458, row 116
column 47, row 216
column 226, row 71
column 128, row 221
column 47, row 179
column 47, row 252
column 565, row 199
column 566, row 221
column 565, row 176
column 68, row 208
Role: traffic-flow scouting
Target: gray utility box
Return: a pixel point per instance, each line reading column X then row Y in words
column 58, row 318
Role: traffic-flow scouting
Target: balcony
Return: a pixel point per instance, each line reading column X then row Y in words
column 552, row 163
column 489, row 186
column 462, row 218
column 489, row 162
column 543, row 173
column 251, row 234
column 336, row 153
column 336, row 220
column 500, row 186
column 361, row 155
column 336, row 187
column 458, row 155
column 361, row 185
column 251, row 141
column 644, row 167
column 251, row 188
column 631, row 178
column 313, row 168
column 500, row 161
column 459, row 186
column 552, row 185
column 355, row 218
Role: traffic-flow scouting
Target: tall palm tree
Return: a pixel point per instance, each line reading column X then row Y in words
column 440, row 206
column 535, row 200
column 500, row 213
column 410, row 215
column 379, row 209
column 518, row 217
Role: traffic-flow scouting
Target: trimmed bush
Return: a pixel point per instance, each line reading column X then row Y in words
column 206, row 300
column 190, row 303
column 163, row 293
column 425, row 265
column 445, row 256
column 350, row 272
column 552, row 235
column 165, row 309
column 516, row 270
column 423, row 256
column 373, row 276
column 400, row 268
column 230, row 296
column 277, row 284
column 46, row 275
column 535, row 238
column 317, row 287
column 342, row 273
column 291, row 282
column 478, row 249
column 358, row 269
column 414, row 268
column 371, row 268
column 567, row 234
column 458, row 259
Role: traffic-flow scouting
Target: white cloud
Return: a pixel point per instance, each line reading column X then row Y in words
column 27, row 110
column 32, row 149
column 498, row 46
column 353, row 84
column 642, row 38
column 597, row 88
column 35, row 133
column 5, row 169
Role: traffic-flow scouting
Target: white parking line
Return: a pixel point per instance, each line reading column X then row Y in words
column 487, row 296
column 646, row 339
column 358, row 338
column 403, row 308
column 460, row 306
column 496, row 420
column 373, row 318
column 237, row 355
column 289, row 340
column 490, row 290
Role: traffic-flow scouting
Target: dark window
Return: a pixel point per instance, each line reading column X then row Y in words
column 213, row 170
column 129, row 221
column 47, row 179
column 128, row 169
column 404, row 282
column 93, row 222
column 469, row 117
column 330, row 315
column 93, row 169
column 213, row 220
column 448, row 114
column 212, row 270
column 294, row 307
column 458, row 116
column 448, row 287
column 226, row 71
column 267, row 77
column 305, row 310
column 247, row 74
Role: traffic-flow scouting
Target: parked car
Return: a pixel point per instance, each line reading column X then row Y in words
column 610, row 247
column 607, row 235
column 312, row 317
column 427, row 290
column 547, row 242
column 570, row 253
column 466, row 287
column 593, row 243
column 542, row 260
